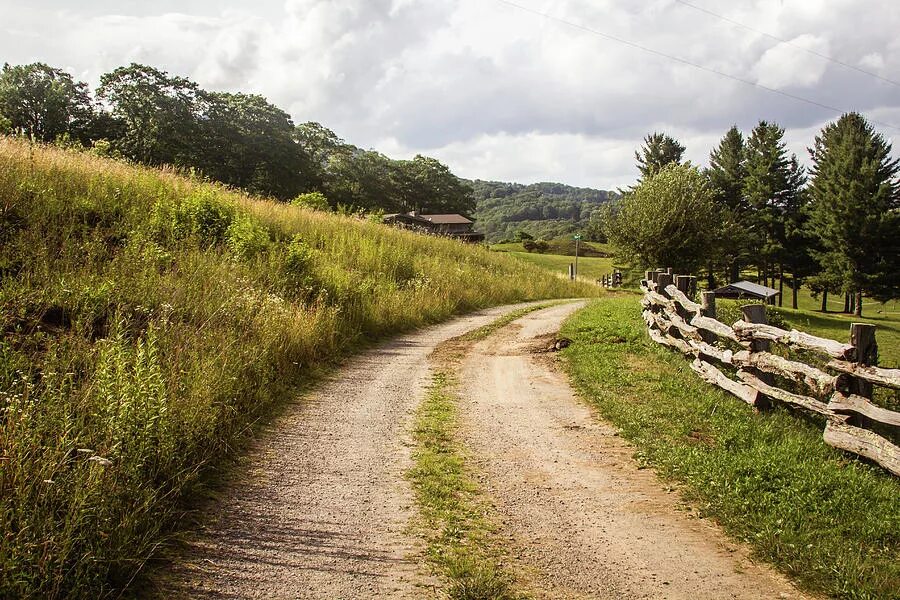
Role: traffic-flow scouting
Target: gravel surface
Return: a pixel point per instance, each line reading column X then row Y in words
column 323, row 508
column 579, row 518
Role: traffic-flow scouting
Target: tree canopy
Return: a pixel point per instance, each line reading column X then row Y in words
column 152, row 117
column 668, row 219
column 659, row 150
column 44, row 102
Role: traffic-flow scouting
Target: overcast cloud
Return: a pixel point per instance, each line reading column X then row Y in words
column 494, row 91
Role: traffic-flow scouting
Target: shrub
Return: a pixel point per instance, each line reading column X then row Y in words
column 312, row 201
column 203, row 215
column 246, row 238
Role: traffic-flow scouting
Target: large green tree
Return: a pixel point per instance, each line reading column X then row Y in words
column 659, row 150
column 44, row 102
column 160, row 114
column 668, row 220
column 249, row 143
column 428, row 185
column 856, row 208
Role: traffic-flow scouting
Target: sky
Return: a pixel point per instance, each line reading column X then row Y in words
column 508, row 90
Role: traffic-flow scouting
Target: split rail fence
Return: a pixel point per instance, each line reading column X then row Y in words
column 833, row 379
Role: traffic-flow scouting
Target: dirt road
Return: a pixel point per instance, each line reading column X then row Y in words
column 324, row 511
column 581, row 520
column 325, row 508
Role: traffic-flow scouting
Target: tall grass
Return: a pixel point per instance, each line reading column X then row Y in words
column 148, row 318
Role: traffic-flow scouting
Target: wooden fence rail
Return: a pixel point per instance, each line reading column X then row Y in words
column 839, row 387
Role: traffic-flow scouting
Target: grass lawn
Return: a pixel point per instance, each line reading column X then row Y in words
column 588, row 268
column 564, row 246
column 828, row 520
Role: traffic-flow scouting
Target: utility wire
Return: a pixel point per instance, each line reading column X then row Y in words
column 684, row 61
column 788, row 42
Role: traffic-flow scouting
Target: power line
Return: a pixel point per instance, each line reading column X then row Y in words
column 684, row 61
column 788, row 42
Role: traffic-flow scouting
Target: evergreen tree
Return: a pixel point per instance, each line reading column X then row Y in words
column 658, row 151
column 727, row 172
column 796, row 242
column 770, row 185
column 856, row 209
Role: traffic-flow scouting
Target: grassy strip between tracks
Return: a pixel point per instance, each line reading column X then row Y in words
column 457, row 530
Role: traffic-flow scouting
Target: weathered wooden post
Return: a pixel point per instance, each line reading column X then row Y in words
column 756, row 313
column 862, row 338
column 648, row 276
column 693, row 288
column 662, row 281
column 571, row 271
column 708, row 303
column 683, row 283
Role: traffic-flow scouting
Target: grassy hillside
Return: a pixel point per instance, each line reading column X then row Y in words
column 148, row 319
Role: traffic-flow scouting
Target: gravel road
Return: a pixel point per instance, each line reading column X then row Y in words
column 580, row 519
column 322, row 510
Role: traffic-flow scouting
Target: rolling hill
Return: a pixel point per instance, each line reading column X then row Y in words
column 543, row 210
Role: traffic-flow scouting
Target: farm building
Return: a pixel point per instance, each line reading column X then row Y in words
column 451, row 225
column 746, row 290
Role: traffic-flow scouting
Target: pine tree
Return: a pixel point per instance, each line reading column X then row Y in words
column 769, row 185
column 658, row 151
column 856, row 209
column 796, row 242
column 727, row 172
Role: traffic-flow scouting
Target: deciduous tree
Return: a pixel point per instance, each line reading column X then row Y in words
column 44, row 102
column 669, row 219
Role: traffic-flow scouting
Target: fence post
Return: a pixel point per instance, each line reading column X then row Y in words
column 862, row 337
column 708, row 303
column 663, row 280
column 693, row 288
column 756, row 313
column 683, row 283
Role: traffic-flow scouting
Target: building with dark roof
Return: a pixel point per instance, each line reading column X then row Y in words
column 450, row 225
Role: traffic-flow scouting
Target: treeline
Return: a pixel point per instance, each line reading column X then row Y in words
column 540, row 210
column 147, row 116
column 835, row 228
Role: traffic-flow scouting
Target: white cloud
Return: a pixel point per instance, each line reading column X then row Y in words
column 787, row 65
column 496, row 92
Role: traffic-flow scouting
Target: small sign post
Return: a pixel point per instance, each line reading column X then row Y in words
column 577, row 238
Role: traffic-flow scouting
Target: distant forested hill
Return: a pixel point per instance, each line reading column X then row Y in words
column 543, row 210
